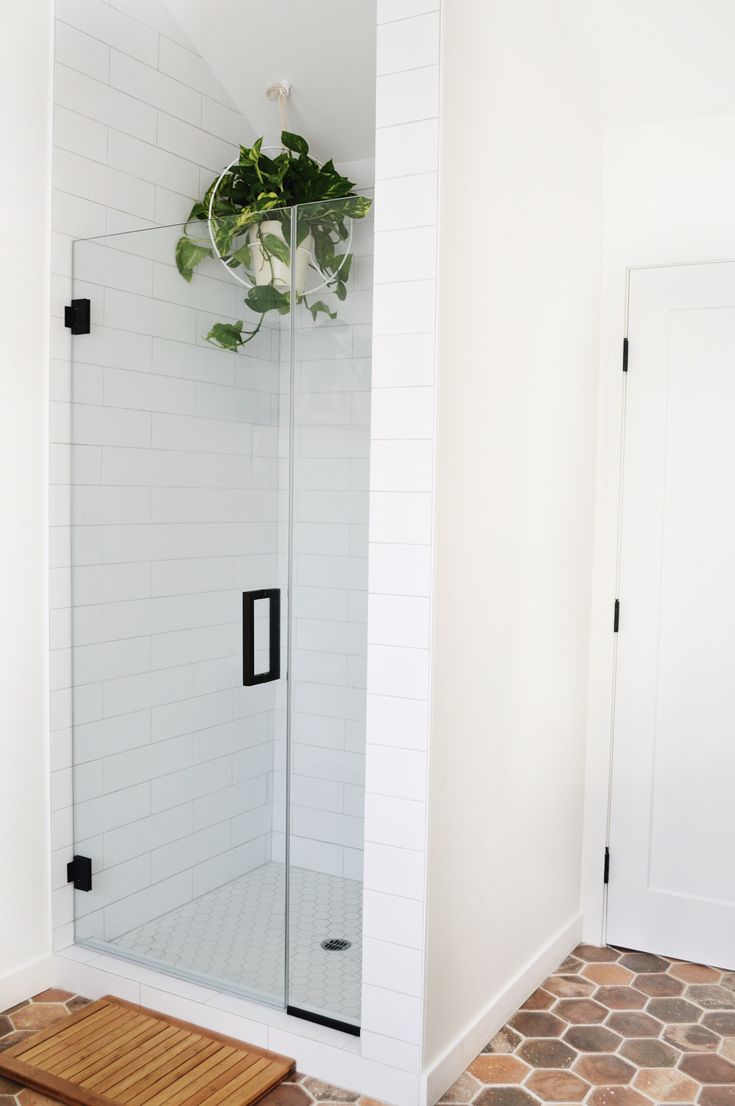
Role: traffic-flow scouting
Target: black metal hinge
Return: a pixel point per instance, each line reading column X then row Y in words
column 625, row 355
column 606, row 869
column 77, row 316
column 616, row 617
column 79, row 872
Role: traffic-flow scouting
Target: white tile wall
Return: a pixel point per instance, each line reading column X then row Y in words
column 165, row 435
column 95, row 195
column 399, row 608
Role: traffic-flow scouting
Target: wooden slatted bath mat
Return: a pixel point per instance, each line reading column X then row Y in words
column 112, row 1053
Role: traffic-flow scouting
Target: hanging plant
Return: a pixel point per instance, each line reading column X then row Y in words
column 250, row 230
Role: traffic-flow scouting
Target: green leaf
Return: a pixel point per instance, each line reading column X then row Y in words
column 320, row 308
column 295, row 143
column 264, row 297
column 242, row 256
column 227, row 335
column 188, row 256
column 341, row 290
column 275, row 245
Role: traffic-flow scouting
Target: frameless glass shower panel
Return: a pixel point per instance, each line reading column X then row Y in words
column 329, row 546
column 178, row 454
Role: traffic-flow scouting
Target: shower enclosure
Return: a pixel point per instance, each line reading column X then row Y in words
column 218, row 540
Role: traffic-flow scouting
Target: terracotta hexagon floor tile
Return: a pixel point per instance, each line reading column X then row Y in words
column 39, row 1015
column 287, row 1094
column 621, row 998
column 569, row 986
column 634, row 1024
column 504, row 1096
column 462, row 1090
column 603, row 1069
column 607, row 974
column 6, row 1026
column 650, row 1053
column 644, row 962
column 667, row 1085
column 535, row 1023
column 728, row 980
column 53, row 994
column 692, row 1038
column 539, row 1000
column 710, row 996
column 33, row 1098
column 557, row 1086
column 707, row 1067
column 717, row 1096
column 325, row 1092
column 595, row 955
column 547, row 1053
column 721, row 1021
column 617, row 1096
column 580, row 1011
column 658, row 985
column 694, row 973
column 14, row 1038
column 728, row 1049
column 673, row 1010
column 571, row 964
column 592, row 1038
column 505, row 1040
column 7, row 1086
column 498, row 1069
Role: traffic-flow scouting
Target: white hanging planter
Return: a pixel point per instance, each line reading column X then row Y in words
column 267, row 269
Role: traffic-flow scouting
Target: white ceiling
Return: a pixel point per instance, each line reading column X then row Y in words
column 654, row 60
column 324, row 48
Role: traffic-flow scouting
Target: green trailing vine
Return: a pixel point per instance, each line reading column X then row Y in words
column 251, row 225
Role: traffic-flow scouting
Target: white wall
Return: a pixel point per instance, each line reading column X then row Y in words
column 518, row 344
column 25, row 124
column 668, row 191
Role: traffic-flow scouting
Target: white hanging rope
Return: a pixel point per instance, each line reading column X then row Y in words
column 280, row 92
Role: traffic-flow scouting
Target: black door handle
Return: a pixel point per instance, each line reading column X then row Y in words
column 249, row 599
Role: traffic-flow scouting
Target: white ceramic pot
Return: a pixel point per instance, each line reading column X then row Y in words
column 268, row 269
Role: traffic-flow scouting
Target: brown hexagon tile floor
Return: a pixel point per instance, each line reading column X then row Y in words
column 611, row 1027
column 626, row 1028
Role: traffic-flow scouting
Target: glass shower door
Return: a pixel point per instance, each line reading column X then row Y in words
column 178, row 559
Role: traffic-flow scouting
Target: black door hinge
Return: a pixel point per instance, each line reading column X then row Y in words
column 616, row 617
column 79, row 872
column 606, row 869
column 625, row 355
column 77, row 316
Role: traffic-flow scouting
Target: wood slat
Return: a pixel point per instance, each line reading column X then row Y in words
column 95, row 1024
column 113, row 1053
column 68, row 1060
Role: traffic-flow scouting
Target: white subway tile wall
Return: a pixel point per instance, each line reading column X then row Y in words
column 400, row 533
column 155, row 438
column 123, row 162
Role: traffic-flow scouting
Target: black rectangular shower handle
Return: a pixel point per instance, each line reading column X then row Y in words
column 249, row 599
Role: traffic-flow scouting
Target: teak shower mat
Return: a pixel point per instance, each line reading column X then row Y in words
column 112, row 1053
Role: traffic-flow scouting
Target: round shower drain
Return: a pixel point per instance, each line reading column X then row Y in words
column 336, row 944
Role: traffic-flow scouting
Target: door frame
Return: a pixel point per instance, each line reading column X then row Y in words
column 605, row 578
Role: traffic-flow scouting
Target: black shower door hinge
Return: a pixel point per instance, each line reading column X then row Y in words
column 625, row 355
column 616, row 617
column 606, row 868
column 77, row 316
column 79, row 872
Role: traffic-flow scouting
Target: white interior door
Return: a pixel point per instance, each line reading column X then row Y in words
column 672, row 835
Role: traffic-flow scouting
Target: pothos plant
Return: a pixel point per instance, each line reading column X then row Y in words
column 251, row 224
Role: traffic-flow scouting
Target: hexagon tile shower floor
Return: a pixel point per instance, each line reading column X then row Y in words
column 609, row 1028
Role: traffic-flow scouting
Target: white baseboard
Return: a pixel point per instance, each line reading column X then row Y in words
column 493, row 1017
column 26, row 981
